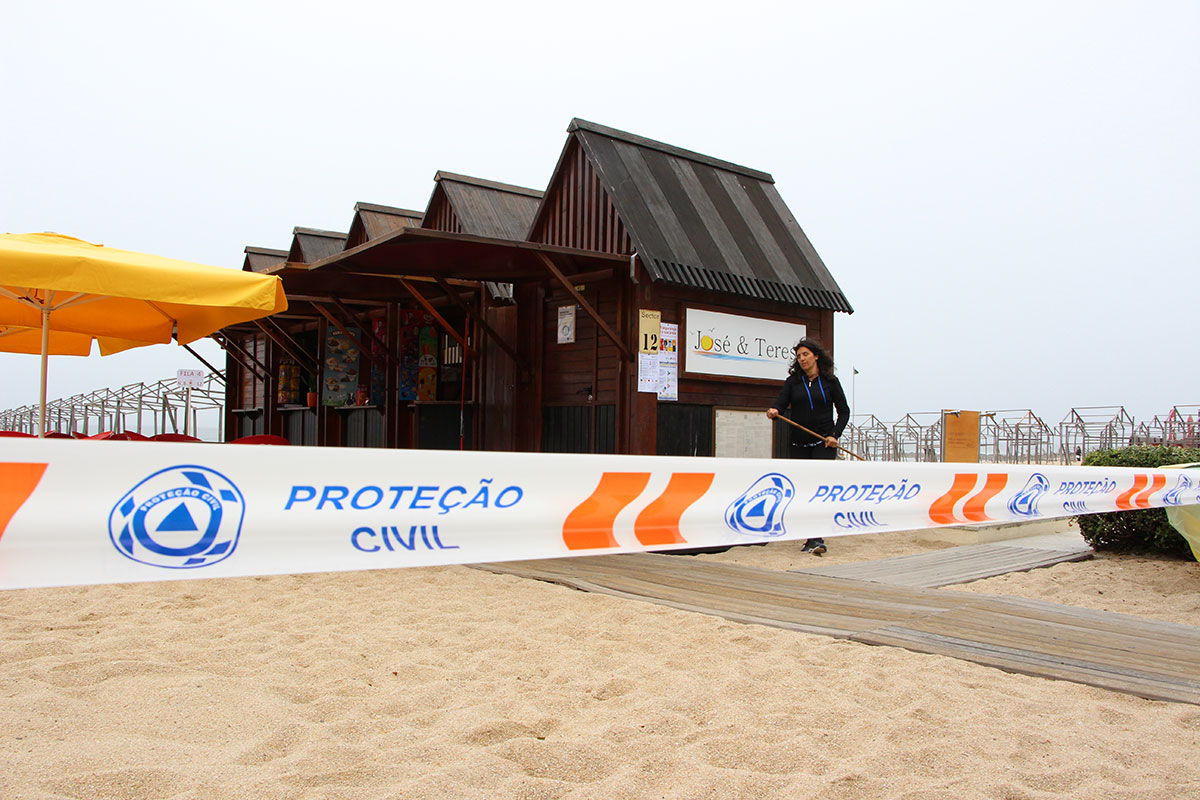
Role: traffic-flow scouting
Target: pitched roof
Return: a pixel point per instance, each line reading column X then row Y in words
column 312, row 244
column 261, row 259
column 372, row 221
column 480, row 207
column 705, row 223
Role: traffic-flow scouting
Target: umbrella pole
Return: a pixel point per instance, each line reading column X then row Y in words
column 45, row 358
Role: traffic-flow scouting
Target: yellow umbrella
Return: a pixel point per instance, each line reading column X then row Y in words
column 16, row 339
column 74, row 291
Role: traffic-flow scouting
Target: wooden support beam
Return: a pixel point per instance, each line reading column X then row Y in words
column 586, row 306
column 595, row 276
column 243, row 357
column 273, row 321
column 302, row 359
column 446, row 326
column 218, row 374
column 488, row 329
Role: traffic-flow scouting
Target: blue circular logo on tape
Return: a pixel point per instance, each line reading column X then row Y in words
column 759, row 510
column 1025, row 502
column 179, row 518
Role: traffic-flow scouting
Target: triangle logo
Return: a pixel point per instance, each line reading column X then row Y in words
column 178, row 520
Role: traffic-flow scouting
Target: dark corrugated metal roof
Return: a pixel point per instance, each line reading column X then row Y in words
column 699, row 221
column 312, row 244
column 488, row 208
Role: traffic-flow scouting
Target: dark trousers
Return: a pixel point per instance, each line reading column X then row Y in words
column 815, row 452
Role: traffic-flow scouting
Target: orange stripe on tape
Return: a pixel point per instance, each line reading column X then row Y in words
column 1143, row 499
column 942, row 509
column 590, row 524
column 973, row 509
column 659, row 522
column 1139, row 482
column 17, row 482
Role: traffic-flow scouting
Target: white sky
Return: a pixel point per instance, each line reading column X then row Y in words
column 1008, row 194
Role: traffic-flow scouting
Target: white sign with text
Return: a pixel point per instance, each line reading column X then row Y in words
column 742, row 347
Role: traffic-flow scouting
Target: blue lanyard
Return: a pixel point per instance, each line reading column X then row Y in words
column 805, row 383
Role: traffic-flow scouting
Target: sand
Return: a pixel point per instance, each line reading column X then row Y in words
column 457, row 683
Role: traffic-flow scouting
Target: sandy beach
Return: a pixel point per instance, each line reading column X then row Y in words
column 453, row 682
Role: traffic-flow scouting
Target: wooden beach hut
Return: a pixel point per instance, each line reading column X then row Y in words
column 604, row 314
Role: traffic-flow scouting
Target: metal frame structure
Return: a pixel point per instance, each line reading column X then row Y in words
column 918, row 437
column 870, row 438
column 1016, row 436
column 148, row 409
column 1090, row 428
column 1181, row 427
column 1008, row 436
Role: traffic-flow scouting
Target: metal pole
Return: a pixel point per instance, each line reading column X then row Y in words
column 45, row 358
column 187, row 408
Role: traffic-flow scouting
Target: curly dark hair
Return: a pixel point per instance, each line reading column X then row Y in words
column 824, row 360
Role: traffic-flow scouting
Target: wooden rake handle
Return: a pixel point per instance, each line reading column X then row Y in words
column 819, row 436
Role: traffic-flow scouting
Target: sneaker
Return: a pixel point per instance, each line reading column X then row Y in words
column 818, row 548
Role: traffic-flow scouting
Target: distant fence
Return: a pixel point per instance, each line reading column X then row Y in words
column 1009, row 436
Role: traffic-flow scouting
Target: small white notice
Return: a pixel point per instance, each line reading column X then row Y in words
column 191, row 378
column 741, row 434
column 566, row 324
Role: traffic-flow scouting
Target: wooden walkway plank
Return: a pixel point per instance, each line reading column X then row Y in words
column 1117, row 648
column 1032, row 663
column 1153, row 659
column 951, row 565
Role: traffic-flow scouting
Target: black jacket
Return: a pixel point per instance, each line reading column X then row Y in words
column 812, row 405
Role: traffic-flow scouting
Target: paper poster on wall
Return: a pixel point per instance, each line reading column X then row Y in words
column 411, row 323
column 648, row 372
column 427, row 363
column 741, row 434
column 341, row 369
column 566, row 324
column 668, row 342
column 668, row 381
column 668, row 361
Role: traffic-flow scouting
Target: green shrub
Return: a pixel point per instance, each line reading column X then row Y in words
column 1145, row 531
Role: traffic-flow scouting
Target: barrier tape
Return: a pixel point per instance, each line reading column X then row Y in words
column 89, row 512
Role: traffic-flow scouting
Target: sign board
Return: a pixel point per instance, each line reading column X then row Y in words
column 743, row 347
column 190, row 378
column 960, row 436
column 649, row 329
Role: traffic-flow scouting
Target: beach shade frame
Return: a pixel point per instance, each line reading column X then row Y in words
column 73, row 292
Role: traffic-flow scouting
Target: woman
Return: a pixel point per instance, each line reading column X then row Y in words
column 812, row 392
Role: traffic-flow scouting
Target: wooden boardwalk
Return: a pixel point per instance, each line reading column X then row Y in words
column 951, row 565
column 1157, row 660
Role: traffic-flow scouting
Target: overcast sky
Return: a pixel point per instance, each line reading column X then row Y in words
column 1008, row 194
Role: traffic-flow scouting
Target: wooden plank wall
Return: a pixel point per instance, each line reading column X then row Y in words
column 591, row 360
column 577, row 211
